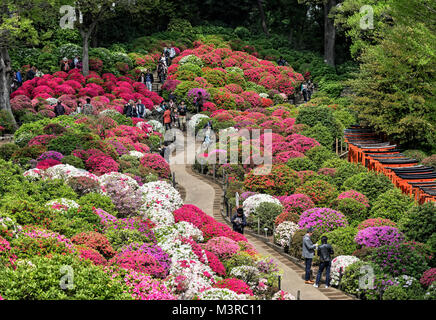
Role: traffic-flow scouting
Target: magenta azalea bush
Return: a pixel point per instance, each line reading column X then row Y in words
column 428, row 277
column 297, row 202
column 375, row 237
column 223, row 247
column 322, row 219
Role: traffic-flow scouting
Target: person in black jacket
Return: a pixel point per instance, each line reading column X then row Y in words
column 31, row 73
column 59, row 109
column 128, row 109
column 325, row 252
column 239, row 221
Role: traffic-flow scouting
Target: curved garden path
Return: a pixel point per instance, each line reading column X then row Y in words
column 207, row 195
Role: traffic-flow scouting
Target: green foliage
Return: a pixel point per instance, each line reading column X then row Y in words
column 73, row 161
column 352, row 275
column 415, row 154
column 392, row 205
column 26, row 212
column 242, row 32
column 98, row 201
column 351, row 208
column 344, row 169
column 120, row 237
column 6, row 122
column 320, row 154
column 40, row 280
column 343, row 238
column 395, row 293
column 321, row 134
column 6, row 150
column 419, row 223
column 48, row 63
column 68, row 142
column 10, row 175
column 238, row 259
column 311, row 116
column 301, row 164
column 266, row 213
column 369, row 183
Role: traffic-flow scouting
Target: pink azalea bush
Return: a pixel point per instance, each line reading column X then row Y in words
column 322, row 219
column 353, row 194
column 223, row 247
column 157, row 163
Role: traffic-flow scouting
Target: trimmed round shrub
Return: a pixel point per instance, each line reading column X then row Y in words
column 265, row 213
column 399, row 259
column 392, row 205
column 377, row 222
column 369, row 183
column 321, row 192
column 73, row 161
column 353, row 210
column 321, row 134
column 223, row 247
column 379, row 236
column 300, row 164
column 7, row 150
column 419, row 223
column 322, row 219
column 343, row 238
column 296, row 202
column 353, row 194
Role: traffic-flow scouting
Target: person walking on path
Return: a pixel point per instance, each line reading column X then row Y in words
column 167, row 119
column 310, row 88
column 308, row 253
column 149, row 79
column 281, row 61
column 19, row 78
column 325, row 252
column 182, row 115
column 59, row 109
column 88, row 109
column 304, row 91
column 239, row 221
column 199, row 102
column 161, row 71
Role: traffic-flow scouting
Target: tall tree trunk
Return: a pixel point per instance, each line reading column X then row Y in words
column 5, row 83
column 262, row 17
column 85, row 58
column 329, row 33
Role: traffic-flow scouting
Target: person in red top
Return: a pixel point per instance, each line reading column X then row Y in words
column 167, row 119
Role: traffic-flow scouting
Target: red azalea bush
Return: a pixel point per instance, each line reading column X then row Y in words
column 41, row 140
column 353, row 194
column 281, row 180
column 377, row 222
column 428, row 277
column 192, row 214
column 217, row 229
column 47, row 163
column 93, row 255
column 301, row 143
column 157, row 163
column 236, row 285
column 140, row 262
column 297, row 203
column 101, row 164
column 95, row 240
column 215, row 264
column 321, row 192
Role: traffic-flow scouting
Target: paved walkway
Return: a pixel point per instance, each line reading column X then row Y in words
column 207, row 196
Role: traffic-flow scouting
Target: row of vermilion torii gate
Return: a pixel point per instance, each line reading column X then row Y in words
column 366, row 148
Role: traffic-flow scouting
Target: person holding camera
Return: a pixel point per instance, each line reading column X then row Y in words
column 239, row 221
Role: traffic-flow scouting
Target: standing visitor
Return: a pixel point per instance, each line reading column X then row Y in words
column 281, row 61
column 19, row 78
column 31, row 73
column 161, row 71
column 310, row 88
column 88, row 109
column 199, row 102
column 59, row 109
column 14, row 83
column 141, row 109
column 167, row 119
column 76, row 62
column 167, row 56
column 304, row 91
column 182, row 115
column 65, row 66
column 325, row 252
column 141, row 77
column 239, row 221
column 134, row 110
column 149, row 80
column 308, row 253
column 79, row 107
column 128, row 109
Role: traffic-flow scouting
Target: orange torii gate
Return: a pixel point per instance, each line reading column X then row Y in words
column 365, row 147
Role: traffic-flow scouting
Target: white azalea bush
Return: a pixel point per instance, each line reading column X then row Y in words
column 188, row 277
column 34, row 174
column 195, row 120
column 62, row 205
column 157, row 214
column 176, row 249
column 338, row 263
column 163, row 193
column 284, row 232
column 121, row 180
column 221, row 294
column 136, row 154
column 249, row 274
column 66, row 171
column 180, row 229
column 251, row 203
column 283, row 295
column 156, row 125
